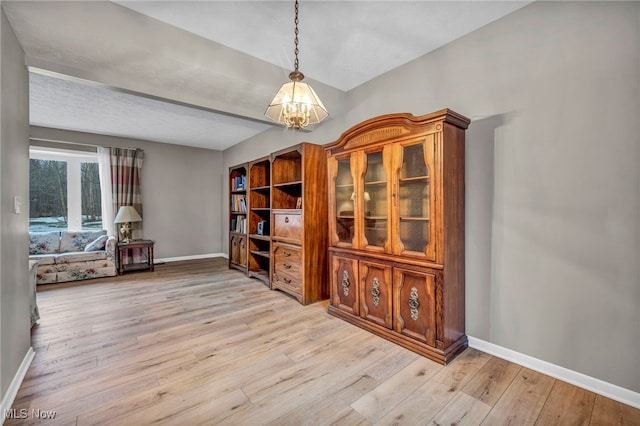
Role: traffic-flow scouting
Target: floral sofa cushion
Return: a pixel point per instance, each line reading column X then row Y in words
column 75, row 274
column 43, row 259
column 77, row 241
column 92, row 264
column 68, row 261
column 97, row 244
column 80, row 256
column 44, row 242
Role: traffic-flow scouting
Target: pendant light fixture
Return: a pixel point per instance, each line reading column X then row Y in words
column 296, row 104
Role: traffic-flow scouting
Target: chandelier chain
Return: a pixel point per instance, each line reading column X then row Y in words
column 296, row 105
column 296, row 51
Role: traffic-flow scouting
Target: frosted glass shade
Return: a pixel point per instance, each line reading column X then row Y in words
column 296, row 105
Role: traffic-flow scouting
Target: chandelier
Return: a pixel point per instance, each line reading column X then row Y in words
column 296, row 103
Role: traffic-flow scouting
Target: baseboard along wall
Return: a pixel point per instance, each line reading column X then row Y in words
column 580, row 380
column 12, row 391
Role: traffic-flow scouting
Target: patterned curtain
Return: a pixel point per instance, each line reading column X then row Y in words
column 104, row 162
column 126, row 167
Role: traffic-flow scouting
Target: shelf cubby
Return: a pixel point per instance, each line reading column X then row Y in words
column 259, row 218
column 238, row 207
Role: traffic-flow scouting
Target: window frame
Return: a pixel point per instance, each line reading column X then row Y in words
column 74, row 159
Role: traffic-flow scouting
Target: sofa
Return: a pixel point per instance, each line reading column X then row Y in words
column 70, row 256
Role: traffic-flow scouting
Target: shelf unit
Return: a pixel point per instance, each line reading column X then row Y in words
column 259, row 256
column 285, row 241
column 299, row 222
column 396, row 230
column 238, row 212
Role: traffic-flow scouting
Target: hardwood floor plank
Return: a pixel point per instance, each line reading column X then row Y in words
column 567, row 405
column 522, row 401
column 196, row 343
column 435, row 393
column 312, row 373
column 323, row 410
column 390, row 393
column 214, row 412
column 492, row 379
column 608, row 412
column 462, row 410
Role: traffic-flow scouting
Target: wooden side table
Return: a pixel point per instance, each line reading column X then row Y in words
column 135, row 244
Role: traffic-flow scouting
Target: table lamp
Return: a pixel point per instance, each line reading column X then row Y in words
column 126, row 215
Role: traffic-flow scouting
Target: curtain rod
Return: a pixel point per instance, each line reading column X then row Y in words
column 80, row 143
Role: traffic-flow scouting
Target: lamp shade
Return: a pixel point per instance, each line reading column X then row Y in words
column 127, row 214
column 367, row 197
column 296, row 105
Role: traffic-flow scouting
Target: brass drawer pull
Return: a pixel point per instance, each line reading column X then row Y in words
column 345, row 283
column 414, row 304
column 286, row 254
column 286, row 219
column 375, row 291
column 286, row 280
column 287, row 266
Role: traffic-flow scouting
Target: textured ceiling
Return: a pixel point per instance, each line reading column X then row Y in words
column 342, row 43
column 226, row 59
column 69, row 105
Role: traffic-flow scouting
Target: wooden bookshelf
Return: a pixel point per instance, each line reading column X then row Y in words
column 259, row 219
column 238, row 212
column 299, row 222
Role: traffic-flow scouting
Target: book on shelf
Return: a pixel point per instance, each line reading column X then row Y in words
column 238, row 203
column 239, row 183
column 262, row 228
column 240, row 226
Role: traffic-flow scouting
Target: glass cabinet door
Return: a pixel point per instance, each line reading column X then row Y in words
column 375, row 202
column 414, row 199
column 344, row 202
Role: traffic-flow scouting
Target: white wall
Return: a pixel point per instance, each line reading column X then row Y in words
column 553, row 176
column 15, row 339
column 181, row 192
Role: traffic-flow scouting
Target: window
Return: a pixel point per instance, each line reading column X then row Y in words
column 64, row 190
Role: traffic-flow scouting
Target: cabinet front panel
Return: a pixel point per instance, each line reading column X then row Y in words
column 289, row 283
column 375, row 293
column 234, row 248
column 344, row 284
column 287, row 226
column 375, row 200
column 415, row 307
column 414, row 198
column 342, row 204
column 242, row 250
column 287, row 259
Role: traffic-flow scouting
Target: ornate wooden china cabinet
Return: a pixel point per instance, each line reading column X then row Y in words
column 396, row 230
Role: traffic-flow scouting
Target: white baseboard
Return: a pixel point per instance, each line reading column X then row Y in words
column 14, row 386
column 592, row 384
column 193, row 257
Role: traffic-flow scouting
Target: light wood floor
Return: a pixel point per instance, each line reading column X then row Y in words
column 195, row 343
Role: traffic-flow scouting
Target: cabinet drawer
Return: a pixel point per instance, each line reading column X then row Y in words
column 287, row 226
column 290, row 283
column 287, row 269
column 287, row 259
